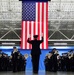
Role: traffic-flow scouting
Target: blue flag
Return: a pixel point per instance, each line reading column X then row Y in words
column 28, row 11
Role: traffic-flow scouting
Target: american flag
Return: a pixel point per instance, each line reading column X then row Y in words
column 34, row 22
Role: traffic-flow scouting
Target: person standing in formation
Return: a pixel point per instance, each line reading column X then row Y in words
column 14, row 58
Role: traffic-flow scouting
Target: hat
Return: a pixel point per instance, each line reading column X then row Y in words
column 71, row 51
column 53, row 49
column 35, row 36
column 14, row 47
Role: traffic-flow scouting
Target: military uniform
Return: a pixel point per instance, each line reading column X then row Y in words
column 14, row 59
column 35, row 52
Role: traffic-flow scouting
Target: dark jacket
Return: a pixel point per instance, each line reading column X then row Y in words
column 35, row 46
column 14, row 56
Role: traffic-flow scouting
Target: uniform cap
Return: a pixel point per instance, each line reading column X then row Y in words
column 35, row 36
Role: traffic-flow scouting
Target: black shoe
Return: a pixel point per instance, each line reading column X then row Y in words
column 36, row 72
column 14, row 71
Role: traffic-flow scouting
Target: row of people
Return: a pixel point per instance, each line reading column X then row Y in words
column 15, row 62
column 54, row 62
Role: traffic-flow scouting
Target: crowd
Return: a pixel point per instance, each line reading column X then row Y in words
column 15, row 62
column 54, row 62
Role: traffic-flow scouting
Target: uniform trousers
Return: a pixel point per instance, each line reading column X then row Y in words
column 35, row 62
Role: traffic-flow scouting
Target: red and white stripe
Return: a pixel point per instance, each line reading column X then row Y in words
column 37, row 27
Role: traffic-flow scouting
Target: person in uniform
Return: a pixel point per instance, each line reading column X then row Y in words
column 35, row 52
column 14, row 58
column 54, row 60
column 48, row 63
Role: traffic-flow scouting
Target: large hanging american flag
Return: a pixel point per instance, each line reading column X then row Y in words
column 34, row 22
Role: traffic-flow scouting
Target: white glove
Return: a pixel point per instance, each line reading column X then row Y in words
column 41, row 34
column 29, row 36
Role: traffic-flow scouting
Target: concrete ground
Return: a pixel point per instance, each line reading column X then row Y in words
column 40, row 73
